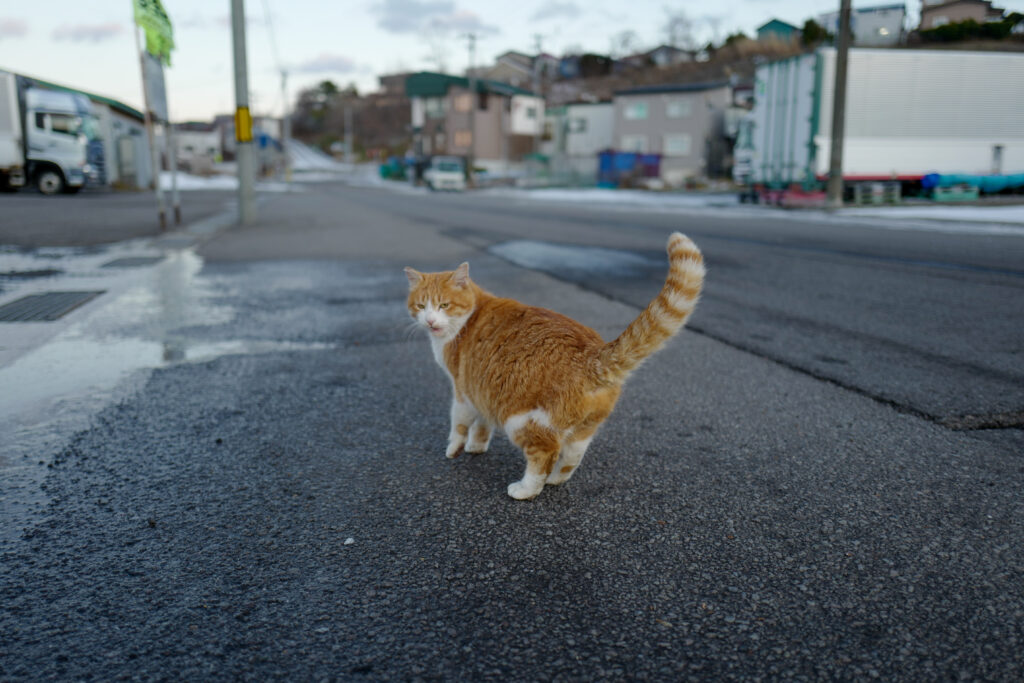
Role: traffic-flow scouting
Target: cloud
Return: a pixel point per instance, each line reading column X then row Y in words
column 414, row 16
column 408, row 16
column 13, row 28
column 327, row 63
column 556, row 10
column 94, row 33
column 462, row 21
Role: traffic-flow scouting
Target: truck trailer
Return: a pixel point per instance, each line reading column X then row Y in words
column 49, row 137
column 909, row 113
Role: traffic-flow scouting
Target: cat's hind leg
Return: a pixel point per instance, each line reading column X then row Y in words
column 480, row 433
column 572, row 454
column 541, row 445
column 463, row 415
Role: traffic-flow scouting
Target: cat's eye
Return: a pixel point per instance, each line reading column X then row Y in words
column 420, row 306
column 445, row 304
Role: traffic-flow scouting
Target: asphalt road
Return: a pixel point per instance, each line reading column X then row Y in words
column 264, row 495
column 95, row 217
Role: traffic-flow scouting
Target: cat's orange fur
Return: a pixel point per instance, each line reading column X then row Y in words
column 548, row 380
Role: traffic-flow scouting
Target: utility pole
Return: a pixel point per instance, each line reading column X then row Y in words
column 153, row 151
column 835, row 163
column 286, row 130
column 537, row 65
column 471, row 75
column 244, row 153
column 172, row 159
column 349, row 157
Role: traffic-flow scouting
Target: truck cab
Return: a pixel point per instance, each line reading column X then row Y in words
column 61, row 141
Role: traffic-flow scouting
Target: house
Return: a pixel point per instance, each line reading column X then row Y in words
column 514, row 68
column 681, row 122
column 777, row 30
column 197, row 146
column 574, row 134
column 880, row 26
column 266, row 134
column 128, row 162
column 661, row 56
column 497, row 126
column 935, row 13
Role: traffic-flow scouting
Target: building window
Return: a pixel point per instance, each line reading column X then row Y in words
column 464, row 102
column 463, row 138
column 636, row 111
column 433, row 107
column 940, row 20
column 578, row 125
column 677, row 145
column 678, row 109
column 634, row 143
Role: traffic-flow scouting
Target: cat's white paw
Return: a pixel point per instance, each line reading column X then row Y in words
column 525, row 490
column 475, row 447
column 454, row 449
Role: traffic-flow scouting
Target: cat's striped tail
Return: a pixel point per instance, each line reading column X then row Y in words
column 663, row 317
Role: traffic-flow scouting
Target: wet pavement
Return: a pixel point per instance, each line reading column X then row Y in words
column 235, row 469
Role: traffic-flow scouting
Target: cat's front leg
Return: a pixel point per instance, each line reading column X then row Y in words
column 463, row 415
column 480, row 434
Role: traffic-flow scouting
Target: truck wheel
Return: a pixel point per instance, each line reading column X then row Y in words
column 50, row 181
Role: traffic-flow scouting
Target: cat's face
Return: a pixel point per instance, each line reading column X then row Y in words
column 440, row 302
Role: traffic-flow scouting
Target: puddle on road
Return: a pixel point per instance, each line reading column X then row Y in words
column 53, row 391
column 582, row 260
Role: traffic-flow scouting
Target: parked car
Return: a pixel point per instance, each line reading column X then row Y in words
column 446, row 173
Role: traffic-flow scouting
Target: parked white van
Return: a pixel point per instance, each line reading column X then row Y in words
column 446, row 173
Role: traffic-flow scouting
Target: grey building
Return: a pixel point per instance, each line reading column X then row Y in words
column 574, row 134
column 880, row 26
column 681, row 122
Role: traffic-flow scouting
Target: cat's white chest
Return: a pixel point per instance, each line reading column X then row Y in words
column 437, row 346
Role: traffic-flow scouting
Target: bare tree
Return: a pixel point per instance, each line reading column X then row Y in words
column 624, row 43
column 679, row 30
column 437, row 39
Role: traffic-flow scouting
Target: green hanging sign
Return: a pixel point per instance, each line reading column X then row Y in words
column 150, row 15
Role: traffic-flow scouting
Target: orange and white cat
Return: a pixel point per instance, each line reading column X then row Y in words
column 545, row 379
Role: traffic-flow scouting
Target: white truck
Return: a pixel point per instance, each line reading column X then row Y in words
column 909, row 113
column 49, row 137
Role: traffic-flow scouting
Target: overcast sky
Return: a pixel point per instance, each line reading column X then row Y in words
column 89, row 45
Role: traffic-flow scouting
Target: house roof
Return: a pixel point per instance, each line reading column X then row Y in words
column 945, row 5
column 112, row 103
column 776, row 24
column 431, row 84
column 673, row 87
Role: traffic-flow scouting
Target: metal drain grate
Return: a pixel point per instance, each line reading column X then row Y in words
column 133, row 262
column 44, row 307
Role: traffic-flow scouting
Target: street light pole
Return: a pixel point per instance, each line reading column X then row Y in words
column 471, row 76
column 243, row 118
column 835, row 163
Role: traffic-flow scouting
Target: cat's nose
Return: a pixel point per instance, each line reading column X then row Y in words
column 432, row 320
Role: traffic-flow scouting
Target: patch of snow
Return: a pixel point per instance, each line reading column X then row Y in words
column 988, row 214
column 188, row 182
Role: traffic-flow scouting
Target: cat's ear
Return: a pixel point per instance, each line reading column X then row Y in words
column 461, row 275
column 414, row 276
